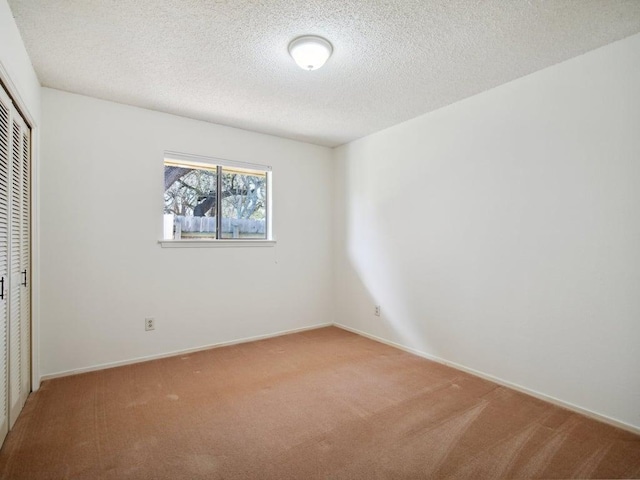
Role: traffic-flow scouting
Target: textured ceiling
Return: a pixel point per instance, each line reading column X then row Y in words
column 226, row 61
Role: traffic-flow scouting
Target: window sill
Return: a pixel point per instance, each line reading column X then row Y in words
column 215, row 243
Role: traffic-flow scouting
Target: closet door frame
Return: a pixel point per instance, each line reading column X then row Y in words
column 13, row 91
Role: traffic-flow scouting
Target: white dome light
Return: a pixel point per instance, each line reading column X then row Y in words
column 310, row 52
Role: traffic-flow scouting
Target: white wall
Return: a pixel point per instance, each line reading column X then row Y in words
column 502, row 233
column 103, row 271
column 18, row 75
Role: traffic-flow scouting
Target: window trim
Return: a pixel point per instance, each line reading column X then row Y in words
column 190, row 158
column 227, row 242
column 195, row 160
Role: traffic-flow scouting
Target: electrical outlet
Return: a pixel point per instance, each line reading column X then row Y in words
column 149, row 323
column 377, row 310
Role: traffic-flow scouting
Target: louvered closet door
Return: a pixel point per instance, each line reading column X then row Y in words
column 25, row 263
column 5, row 155
column 17, row 325
column 15, row 253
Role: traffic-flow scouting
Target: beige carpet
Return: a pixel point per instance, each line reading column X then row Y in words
column 320, row 404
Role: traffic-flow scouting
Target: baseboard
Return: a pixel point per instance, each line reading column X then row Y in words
column 541, row 396
column 174, row 353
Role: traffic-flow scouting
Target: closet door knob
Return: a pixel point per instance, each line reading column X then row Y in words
column 2, row 288
column 24, row 272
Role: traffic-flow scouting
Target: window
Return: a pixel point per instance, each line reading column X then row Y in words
column 213, row 199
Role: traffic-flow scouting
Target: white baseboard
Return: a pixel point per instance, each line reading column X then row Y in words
column 499, row 381
column 174, row 353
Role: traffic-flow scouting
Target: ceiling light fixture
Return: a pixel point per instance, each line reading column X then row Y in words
column 310, row 52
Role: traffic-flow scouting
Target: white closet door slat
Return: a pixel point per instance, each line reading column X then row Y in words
column 15, row 356
column 5, row 148
column 25, row 268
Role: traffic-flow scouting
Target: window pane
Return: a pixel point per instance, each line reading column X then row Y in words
column 244, row 197
column 190, row 201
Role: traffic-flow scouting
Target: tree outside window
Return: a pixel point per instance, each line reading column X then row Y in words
column 192, row 204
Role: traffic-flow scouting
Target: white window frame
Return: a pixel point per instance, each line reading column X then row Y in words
column 190, row 159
